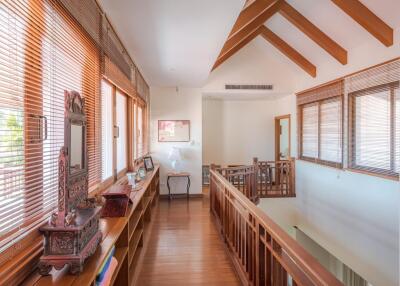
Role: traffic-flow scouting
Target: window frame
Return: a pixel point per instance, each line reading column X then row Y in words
column 144, row 136
column 123, row 171
column 115, row 174
column 318, row 160
column 110, row 178
column 389, row 174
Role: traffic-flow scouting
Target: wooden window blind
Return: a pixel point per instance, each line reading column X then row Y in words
column 43, row 52
column 321, row 124
column 331, row 133
column 310, row 131
column 373, row 97
column 118, row 78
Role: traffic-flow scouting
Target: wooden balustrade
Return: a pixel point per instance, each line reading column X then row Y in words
column 262, row 252
column 275, row 178
column 244, row 178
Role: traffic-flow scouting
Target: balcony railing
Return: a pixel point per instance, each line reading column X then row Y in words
column 263, row 253
column 243, row 178
column 263, row 179
column 275, row 178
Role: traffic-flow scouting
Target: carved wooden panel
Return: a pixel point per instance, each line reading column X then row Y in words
column 61, row 243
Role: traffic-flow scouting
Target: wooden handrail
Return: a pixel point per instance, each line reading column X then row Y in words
column 263, row 253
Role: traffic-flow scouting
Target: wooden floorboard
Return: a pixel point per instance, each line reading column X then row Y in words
column 185, row 248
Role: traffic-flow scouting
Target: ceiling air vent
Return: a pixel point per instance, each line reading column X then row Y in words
column 250, row 86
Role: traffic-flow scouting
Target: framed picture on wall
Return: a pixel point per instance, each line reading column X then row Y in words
column 173, row 130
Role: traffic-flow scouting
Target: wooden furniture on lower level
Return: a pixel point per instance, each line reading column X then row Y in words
column 276, row 179
column 129, row 234
column 178, row 175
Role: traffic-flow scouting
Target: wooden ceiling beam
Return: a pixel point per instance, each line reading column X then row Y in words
column 236, row 48
column 288, row 51
column 249, row 20
column 250, row 12
column 367, row 19
column 313, row 32
column 248, row 3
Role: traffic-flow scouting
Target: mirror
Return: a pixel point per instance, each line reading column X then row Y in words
column 76, row 154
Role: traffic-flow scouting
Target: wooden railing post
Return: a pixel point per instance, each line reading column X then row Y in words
column 212, row 191
column 293, row 176
column 256, row 179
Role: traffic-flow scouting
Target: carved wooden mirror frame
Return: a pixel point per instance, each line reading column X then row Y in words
column 77, row 181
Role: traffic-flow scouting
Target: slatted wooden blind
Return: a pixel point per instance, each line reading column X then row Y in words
column 43, row 52
column 321, row 124
column 374, row 120
column 116, row 76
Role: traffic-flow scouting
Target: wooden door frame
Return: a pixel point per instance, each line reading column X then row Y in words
column 277, row 135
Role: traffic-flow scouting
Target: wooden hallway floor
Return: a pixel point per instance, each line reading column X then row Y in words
column 185, row 248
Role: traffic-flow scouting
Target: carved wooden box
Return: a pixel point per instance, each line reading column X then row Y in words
column 117, row 201
column 72, row 234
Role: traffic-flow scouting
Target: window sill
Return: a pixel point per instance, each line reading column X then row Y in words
column 383, row 176
column 337, row 166
column 387, row 177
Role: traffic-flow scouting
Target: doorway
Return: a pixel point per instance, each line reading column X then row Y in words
column 282, row 137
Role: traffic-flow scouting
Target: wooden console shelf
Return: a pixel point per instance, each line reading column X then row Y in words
column 126, row 233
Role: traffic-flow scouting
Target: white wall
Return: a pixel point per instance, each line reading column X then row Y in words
column 213, row 126
column 235, row 131
column 166, row 103
column 352, row 215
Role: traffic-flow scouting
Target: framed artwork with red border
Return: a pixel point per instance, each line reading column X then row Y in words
column 173, row 130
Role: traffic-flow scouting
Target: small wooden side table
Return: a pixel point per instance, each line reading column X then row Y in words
column 178, row 175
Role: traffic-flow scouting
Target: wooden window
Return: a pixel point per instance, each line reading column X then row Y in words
column 43, row 52
column 321, row 125
column 140, row 137
column 140, row 131
column 107, row 130
column 134, row 133
column 122, row 128
column 115, row 127
column 397, row 131
column 374, row 129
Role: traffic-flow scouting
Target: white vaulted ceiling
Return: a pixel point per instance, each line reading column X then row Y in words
column 174, row 42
